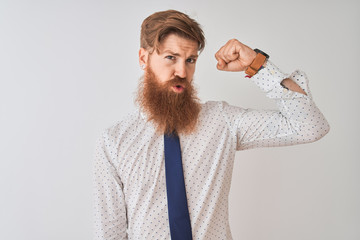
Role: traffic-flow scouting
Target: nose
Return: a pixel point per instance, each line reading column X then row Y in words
column 180, row 70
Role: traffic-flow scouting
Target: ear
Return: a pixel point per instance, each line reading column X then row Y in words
column 143, row 57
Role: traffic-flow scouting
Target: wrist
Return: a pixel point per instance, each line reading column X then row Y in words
column 258, row 62
column 252, row 57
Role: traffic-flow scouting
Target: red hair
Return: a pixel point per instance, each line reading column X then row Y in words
column 156, row 27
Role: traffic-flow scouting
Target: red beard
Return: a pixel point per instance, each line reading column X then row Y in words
column 171, row 112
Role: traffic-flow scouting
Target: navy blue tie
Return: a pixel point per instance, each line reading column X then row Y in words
column 179, row 218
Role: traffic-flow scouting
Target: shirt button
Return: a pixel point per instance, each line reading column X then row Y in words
column 285, row 90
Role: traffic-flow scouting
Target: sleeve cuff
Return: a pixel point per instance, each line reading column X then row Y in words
column 268, row 79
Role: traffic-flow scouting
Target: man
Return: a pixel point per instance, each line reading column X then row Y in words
column 133, row 195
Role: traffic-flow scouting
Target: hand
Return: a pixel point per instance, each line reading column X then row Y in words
column 234, row 56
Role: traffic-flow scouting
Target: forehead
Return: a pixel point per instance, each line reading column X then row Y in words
column 176, row 44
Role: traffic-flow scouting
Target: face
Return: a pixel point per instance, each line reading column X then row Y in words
column 166, row 93
column 176, row 58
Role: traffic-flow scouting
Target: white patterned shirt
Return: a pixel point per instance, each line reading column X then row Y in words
column 129, row 170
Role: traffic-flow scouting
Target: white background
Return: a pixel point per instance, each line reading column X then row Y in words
column 69, row 69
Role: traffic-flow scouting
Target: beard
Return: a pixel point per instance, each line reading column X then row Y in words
column 171, row 112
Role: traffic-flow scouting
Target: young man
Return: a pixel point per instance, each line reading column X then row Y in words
column 134, row 198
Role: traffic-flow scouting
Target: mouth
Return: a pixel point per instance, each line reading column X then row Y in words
column 178, row 88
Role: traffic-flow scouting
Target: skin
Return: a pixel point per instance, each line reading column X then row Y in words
column 235, row 56
column 177, row 58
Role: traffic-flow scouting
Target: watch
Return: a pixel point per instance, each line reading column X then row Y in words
column 258, row 62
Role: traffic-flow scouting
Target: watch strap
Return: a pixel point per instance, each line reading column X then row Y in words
column 257, row 63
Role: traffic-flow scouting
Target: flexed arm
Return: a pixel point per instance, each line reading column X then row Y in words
column 235, row 56
column 297, row 120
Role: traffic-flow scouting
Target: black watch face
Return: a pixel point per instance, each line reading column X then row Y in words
column 261, row 52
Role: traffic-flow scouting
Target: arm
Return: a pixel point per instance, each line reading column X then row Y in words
column 298, row 120
column 110, row 220
column 235, row 56
column 291, row 85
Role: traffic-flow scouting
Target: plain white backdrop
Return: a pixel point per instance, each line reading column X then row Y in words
column 69, row 69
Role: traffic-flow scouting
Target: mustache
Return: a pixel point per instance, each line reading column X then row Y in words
column 177, row 80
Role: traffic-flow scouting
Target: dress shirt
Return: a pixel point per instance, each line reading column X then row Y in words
column 129, row 170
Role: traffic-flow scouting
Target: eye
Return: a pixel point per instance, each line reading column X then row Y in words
column 191, row 60
column 170, row 57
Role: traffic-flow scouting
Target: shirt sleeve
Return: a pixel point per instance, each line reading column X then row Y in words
column 110, row 220
column 297, row 120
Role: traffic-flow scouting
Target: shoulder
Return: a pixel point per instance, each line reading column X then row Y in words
column 123, row 126
column 213, row 105
column 221, row 107
column 220, row 115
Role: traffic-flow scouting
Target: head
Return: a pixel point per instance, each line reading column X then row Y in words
column 169, row 48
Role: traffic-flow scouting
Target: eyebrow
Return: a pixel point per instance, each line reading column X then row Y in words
column 177, row 54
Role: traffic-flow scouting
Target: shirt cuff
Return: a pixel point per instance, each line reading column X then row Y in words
column 268, row 79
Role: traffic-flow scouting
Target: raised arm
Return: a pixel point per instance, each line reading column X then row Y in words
column 297, row 120
column 235, row 56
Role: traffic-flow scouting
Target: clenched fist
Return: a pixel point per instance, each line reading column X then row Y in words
column 234, row 56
